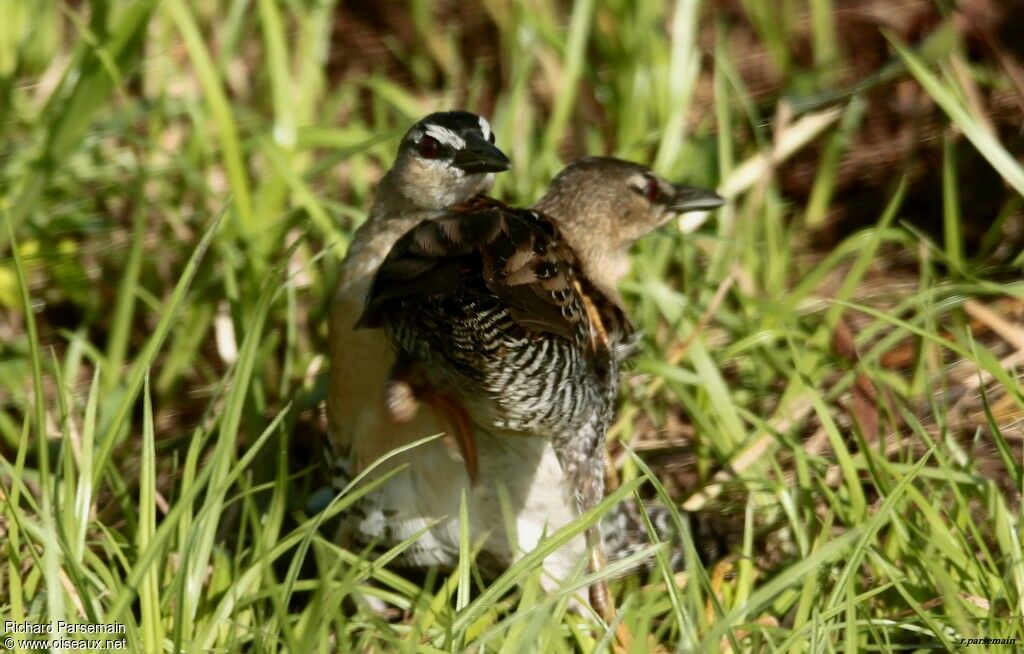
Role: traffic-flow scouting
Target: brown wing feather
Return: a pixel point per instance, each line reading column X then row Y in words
column 522, row 259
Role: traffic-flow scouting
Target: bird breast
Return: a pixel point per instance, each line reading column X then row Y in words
column 492, row 301
column 505, row 375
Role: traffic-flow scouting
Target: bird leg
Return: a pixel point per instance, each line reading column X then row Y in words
column 601, row 593
column 408, row 387
column 611, row 476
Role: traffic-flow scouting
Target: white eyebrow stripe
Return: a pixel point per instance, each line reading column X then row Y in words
column 639, row 180
column 485, row 127
column 446, row 136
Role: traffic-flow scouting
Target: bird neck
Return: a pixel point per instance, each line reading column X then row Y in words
column 391, row 216
column 416, row 187
column 391, row 201
column 604, row 263
column 603, row 267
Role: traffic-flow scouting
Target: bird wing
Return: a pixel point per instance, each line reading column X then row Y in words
column 519, row 254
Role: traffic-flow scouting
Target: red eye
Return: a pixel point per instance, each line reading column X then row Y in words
column 653, row 190
column 429, row 147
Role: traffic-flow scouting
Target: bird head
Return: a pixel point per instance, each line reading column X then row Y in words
column 443, row 159
column 604, row 205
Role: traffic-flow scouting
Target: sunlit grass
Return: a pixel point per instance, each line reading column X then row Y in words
column 178, row 183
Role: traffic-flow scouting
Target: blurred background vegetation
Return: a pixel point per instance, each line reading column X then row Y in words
column 836, row 354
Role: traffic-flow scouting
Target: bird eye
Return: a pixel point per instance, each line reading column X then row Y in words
column 429, row 147
column 652, row 190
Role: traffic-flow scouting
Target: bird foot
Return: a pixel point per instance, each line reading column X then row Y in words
column 400, row 399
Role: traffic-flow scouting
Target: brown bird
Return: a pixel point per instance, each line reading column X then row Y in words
column 443, row 159
column 513, row 315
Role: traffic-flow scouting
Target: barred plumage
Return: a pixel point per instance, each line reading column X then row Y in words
column 491, row 305
column 506, row 324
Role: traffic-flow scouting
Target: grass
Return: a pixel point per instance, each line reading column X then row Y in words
column 178, row 183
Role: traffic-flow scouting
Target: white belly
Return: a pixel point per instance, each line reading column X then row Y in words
column 536, row 496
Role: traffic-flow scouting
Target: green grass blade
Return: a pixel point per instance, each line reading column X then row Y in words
column 222, row 115
column 149, row 351
column 561, row 537
column 986, row 143
column 149, row 590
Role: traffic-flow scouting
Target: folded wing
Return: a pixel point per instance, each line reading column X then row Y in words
column 517, row 254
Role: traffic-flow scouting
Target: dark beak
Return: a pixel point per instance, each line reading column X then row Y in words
column 480, row 156
column 688, row 198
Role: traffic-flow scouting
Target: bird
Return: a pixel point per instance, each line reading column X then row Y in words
column 513, row 315
column 443, row 159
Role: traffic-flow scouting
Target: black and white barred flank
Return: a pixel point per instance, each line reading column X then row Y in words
column 487, row 303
